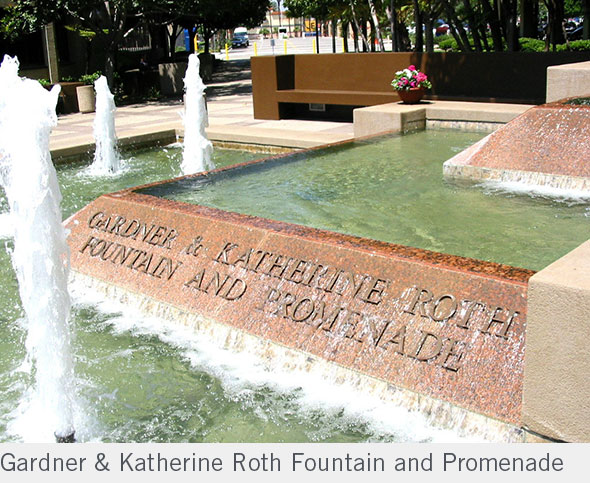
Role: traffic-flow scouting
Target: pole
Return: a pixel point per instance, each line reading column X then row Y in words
column 226, row 52
column 255, row 49
column 285, row 47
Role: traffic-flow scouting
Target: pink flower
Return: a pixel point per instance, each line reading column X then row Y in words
column 412, row 67
column 421, row 77
column 413, row 84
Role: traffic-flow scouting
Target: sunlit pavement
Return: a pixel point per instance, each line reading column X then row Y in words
column 295, row 45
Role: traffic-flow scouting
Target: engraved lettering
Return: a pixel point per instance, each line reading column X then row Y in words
column 222, row 255
column 195, row 246
column 280, row 262
column 466, row 319
column 505, row 323
column 397, row 340
column 375, row 290
column 89, row 243
column 422, row 352
column 444, row 308
column 296, row 271
column 302, row 310
column 235, row 290
column 420, row 300
column 95, row 219
column 169, row 238
column 452, row 356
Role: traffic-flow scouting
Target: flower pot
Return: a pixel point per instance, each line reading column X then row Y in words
column 86, row 98
column 411, row 96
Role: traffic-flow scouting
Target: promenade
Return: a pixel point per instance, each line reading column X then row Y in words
column 229, row 104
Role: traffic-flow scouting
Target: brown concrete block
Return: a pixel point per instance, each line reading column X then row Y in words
column 556, row 399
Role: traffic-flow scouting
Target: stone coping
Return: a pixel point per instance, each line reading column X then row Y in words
column 396, row 117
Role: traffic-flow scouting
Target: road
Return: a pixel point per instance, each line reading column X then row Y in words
column 295, row 45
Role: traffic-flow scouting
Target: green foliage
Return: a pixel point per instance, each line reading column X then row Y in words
column 531, row 45
column 448, row 43
column 575, row 46
column 89, row 79
column 44, row 82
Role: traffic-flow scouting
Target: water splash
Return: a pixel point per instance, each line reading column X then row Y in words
column 196, row 156
column 106, row 156
column 40, row 255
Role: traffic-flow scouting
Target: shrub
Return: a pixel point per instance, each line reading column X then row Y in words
column 575, row 46
column 528, row 44
column 89, row 79
column 448, row 44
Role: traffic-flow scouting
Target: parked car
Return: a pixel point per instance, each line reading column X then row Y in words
column 576, row 34
column 441, row 28
column 240, row 38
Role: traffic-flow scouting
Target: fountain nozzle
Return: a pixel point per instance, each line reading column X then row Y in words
column 65, row 438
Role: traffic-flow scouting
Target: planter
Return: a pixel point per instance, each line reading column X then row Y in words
column 86, row 98
column 411, row 96
column 70, row 93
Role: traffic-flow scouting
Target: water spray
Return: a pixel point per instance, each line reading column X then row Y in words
column 40, row 255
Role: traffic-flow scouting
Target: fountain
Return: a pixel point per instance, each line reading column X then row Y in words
column 106, row 156
column 438, row 334
column 197, row 148
column 557, row 161
column 40, row 255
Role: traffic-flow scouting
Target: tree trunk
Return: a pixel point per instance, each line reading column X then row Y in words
column 207, row 38
column 345, row 36
column 509, row 8
column 109, row 65
column 473, row 26
column 334, row 26
column 457, row 28
column 555, row 10
column 392, row 17
column 359, row 29
column 377, row 29
column 366, row 46
column 529, row 18
column 491, row 16
column 586, row 6
column 419, row 43
column 429, row 36
column 355, row 36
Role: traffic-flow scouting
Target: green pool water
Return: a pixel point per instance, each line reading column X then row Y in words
column 139, row 382
column 392, row 189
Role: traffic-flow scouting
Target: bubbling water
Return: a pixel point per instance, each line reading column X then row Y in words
column 196, row 156
column 106, row 156
column 40, row 255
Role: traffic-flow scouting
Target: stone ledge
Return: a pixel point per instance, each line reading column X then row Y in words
column 569, row 80
column 556, row 397
column 397, row 117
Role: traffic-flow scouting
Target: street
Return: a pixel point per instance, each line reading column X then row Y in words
column 295, row 45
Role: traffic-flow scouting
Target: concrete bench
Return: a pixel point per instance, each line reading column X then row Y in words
column 284, row 86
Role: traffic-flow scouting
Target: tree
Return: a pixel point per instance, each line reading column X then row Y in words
column 108, row 20
column 213, row 15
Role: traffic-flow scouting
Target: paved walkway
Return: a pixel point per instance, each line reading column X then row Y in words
column 229, row 103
